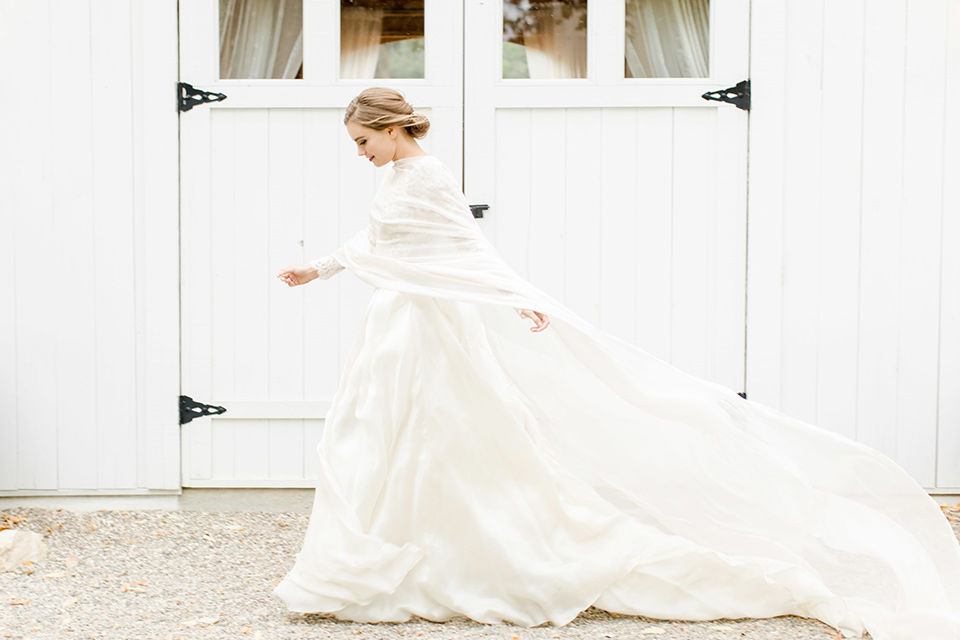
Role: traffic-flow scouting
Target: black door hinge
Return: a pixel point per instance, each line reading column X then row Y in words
column 738, row 96
column 188, row 97
column 190, row 409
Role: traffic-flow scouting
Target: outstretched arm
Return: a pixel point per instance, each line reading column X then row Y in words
column 323, row 268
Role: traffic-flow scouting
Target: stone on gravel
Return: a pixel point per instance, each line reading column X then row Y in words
column 19, row 547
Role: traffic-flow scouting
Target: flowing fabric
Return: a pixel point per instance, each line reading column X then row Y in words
column 471, row 467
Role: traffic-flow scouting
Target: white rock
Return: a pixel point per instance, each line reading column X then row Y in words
column 18, row 547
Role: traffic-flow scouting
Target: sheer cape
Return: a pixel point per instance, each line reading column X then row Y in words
column 816, row 512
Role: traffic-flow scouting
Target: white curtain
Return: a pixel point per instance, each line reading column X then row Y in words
column 667, row 38
column 360, row 31
column 558, row 49
column 261, row 38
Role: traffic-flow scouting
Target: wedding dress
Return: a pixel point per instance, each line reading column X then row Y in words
column 471, row 467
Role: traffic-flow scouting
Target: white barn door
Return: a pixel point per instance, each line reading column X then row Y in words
column 622, row 195
column 269, row 177
column 611, row 183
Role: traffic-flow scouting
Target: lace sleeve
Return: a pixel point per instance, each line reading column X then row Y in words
column 327, row 267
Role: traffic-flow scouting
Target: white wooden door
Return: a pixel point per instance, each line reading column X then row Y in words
column 269, row 177
column 623, row 197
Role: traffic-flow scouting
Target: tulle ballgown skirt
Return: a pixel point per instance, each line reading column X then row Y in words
column 439, row 496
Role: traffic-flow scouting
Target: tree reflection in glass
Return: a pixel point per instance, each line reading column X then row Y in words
column 381, row 39
column 544, row 39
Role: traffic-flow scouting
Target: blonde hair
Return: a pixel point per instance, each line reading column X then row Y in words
column 379, row 108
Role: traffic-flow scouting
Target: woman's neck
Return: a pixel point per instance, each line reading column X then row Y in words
column 408, row 148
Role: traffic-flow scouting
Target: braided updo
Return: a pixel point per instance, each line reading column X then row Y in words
column 379, row 108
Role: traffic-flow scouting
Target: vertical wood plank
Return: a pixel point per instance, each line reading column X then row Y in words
column 156, row 228
column 73, row 244
column 286, row 205
column 321, row 235
column 224, row 459
column 727, row 275
column 766, row 179
column 286, row 332
column 221, row 284
column 114, row 262
column 654, row 236
column 920, row 226
column 285, row 454
column 948, row 417
column 693, row 148
column 582, row 235
column 25, row 187
column 880, row 301
column 513, row 173
column 312, row 430
column 8, row 332
column 801, row 211
column 246, row 272
column 251, row 447
column 618, row 219
column 161, row 435
column 547, row 209
column 479, row 173
column 838, row 279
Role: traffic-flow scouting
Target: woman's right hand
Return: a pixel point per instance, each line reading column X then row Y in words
column 297, row 274
column 540, row 320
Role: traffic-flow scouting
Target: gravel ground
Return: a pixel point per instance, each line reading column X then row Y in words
column 169, row 575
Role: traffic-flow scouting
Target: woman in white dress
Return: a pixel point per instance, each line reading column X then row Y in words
column 522, row 469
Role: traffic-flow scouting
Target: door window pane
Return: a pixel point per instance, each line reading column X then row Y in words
column 667, row 39
column 544, row 39
column 381, row 38
column 261, row 39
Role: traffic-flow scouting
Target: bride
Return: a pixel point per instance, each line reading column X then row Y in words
column 522, row 469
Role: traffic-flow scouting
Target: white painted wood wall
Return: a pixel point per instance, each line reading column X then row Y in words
column 89, row 334
column 854, row 275
column 853, row 286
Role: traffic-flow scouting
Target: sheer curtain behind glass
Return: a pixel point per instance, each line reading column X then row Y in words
column 361, row 29
column 667, row 39
column 382, row 38
column 559, row 48
column 553, row 34
column 261, row 39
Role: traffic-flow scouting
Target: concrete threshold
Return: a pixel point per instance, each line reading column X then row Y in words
column 210, row 500
column 213, row 500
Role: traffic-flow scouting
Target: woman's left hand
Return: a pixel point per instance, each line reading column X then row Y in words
column 541, row 321
column 297, row 274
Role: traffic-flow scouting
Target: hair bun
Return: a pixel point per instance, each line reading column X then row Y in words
column 418, row 125
column 379, row 108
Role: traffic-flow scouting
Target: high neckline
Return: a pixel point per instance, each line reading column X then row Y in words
column 409, row 160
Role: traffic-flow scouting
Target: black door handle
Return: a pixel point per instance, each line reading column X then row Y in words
column 478, row 209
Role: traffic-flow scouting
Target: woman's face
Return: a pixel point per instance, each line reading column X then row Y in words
column 379, row 147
